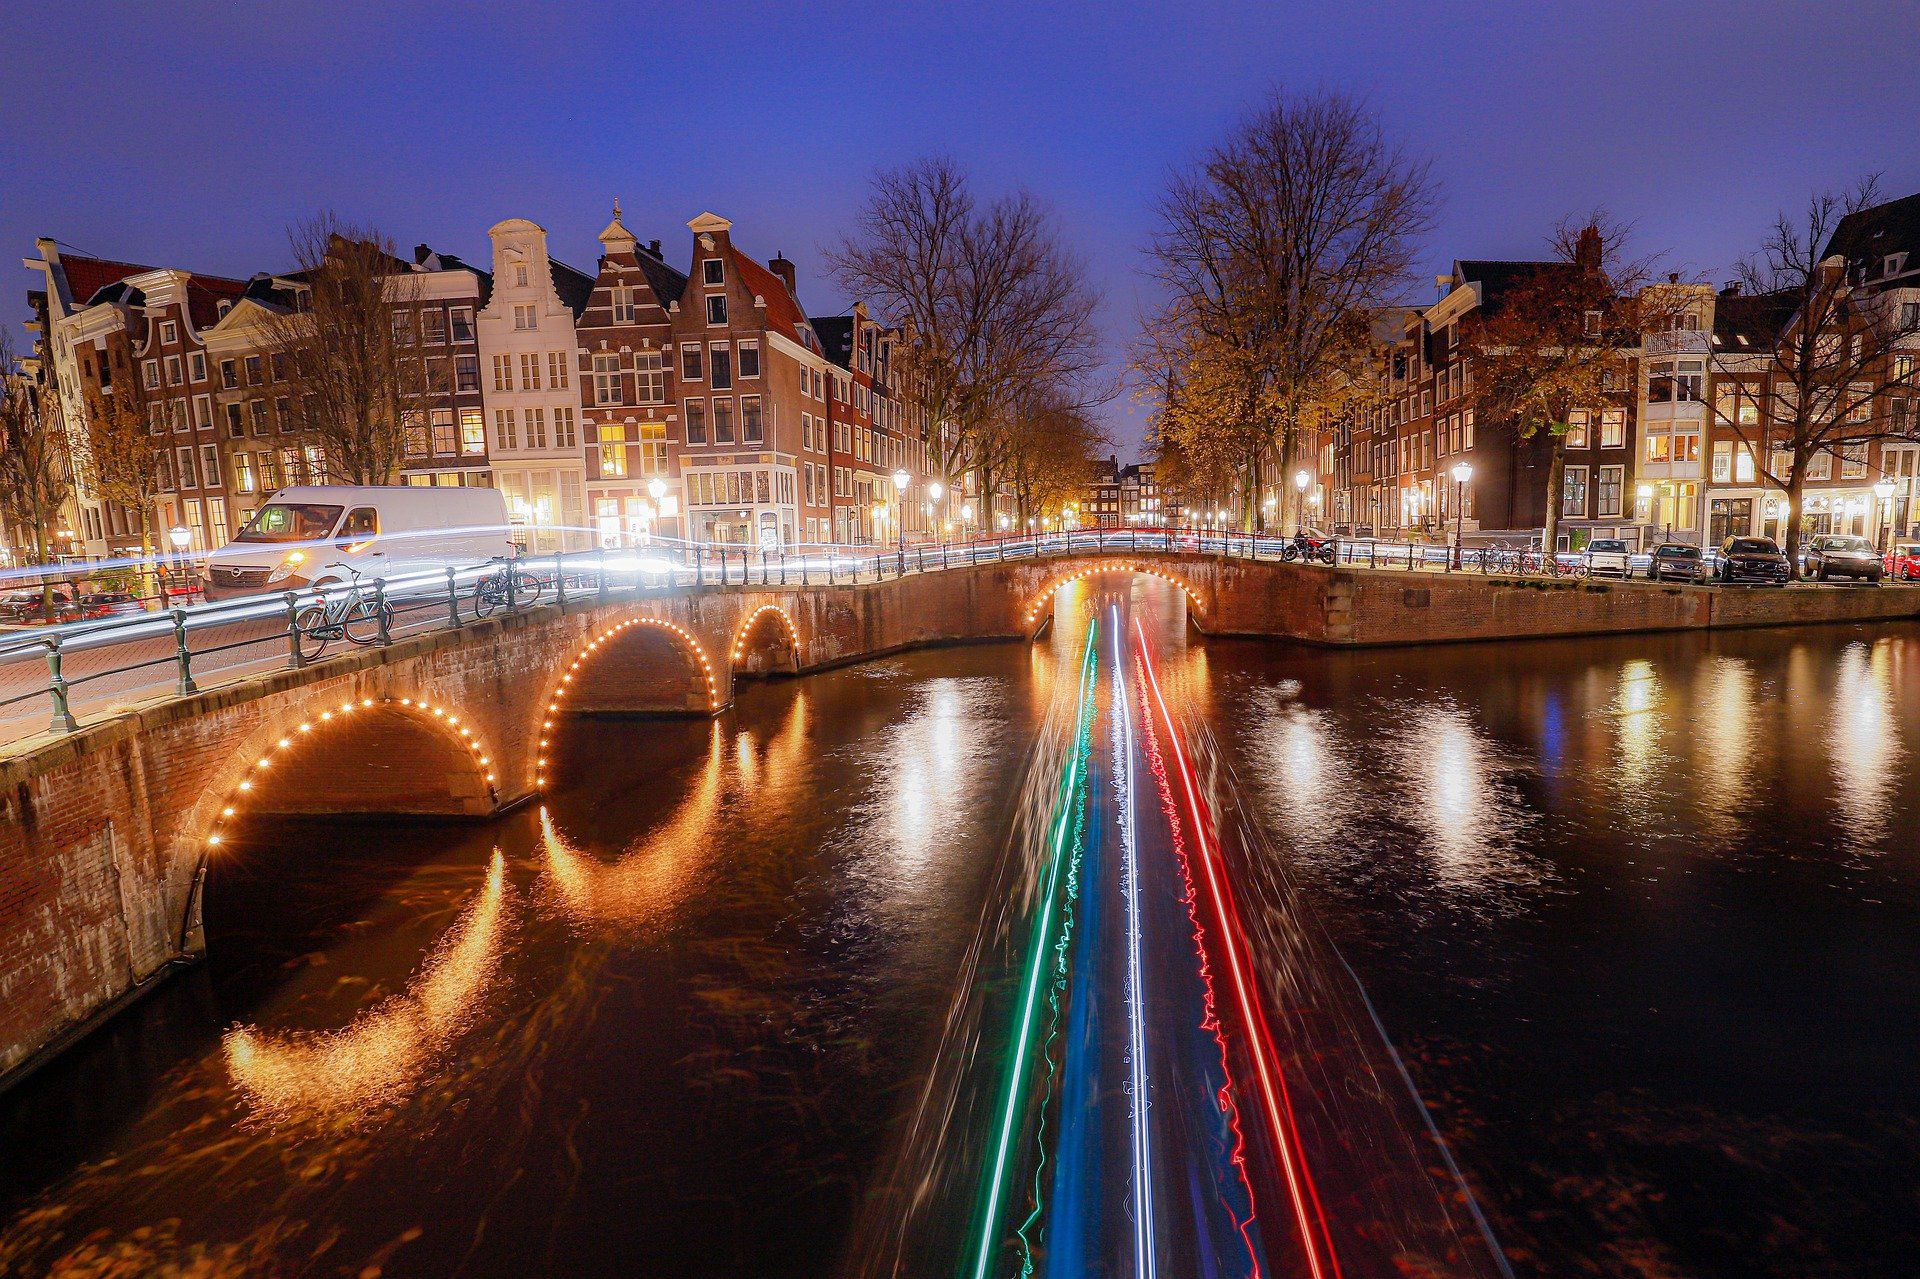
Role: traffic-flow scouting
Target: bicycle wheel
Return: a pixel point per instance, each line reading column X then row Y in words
column 312, row 629
column 527, row 589
column 361, row 621
column 489, row 597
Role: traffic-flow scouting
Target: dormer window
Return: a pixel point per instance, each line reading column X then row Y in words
column 1895, row 263
column 713, row 273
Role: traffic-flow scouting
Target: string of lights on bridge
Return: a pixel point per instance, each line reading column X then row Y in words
column 554, row 703
column 1045, row 597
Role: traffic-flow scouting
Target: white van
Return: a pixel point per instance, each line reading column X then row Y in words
column 322, row 534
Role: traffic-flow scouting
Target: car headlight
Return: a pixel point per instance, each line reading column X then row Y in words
column 284, row 569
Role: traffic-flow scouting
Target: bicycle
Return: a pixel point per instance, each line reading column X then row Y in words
column 491, row 594
column 358, row 615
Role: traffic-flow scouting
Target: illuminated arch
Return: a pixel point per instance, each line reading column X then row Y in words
column 556, row 701
column 1037, row 606
column 739, row 650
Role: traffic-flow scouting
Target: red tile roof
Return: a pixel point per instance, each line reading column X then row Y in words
column 87, row 276
column 784, row 315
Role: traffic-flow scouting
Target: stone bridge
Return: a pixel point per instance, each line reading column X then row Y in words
column 106, row 834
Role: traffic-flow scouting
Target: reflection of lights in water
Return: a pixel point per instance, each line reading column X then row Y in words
column 1467, row 811
column 1636, row 704
column 1865, row 741
column 382, row 1057
column 1726, row 729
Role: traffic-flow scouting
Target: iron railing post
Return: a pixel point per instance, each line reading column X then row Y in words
column 295, row 657
column 453, row 598
column 602, row 592
column 63, row 720
column 382, row 624
column 560, row 578
column 182, row 655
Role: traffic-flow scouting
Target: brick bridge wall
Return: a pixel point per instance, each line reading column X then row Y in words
column 104, row 834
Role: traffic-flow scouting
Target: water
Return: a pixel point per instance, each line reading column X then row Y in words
column 1642, row 915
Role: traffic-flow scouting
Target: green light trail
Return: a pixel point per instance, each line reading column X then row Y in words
column 1037, row 962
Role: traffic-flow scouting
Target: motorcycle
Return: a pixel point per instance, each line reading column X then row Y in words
column 1309, row 549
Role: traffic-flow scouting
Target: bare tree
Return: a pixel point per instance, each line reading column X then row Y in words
column 1050, row 445
column 1557, row 341
column 35, row 479
column 1837, row 355
column 354, row 372
column 1271, row 252
column 122, row 464
column 990, row 304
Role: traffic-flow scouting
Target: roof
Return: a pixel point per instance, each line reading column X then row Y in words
column 667, row 284
column 1871, row 234
column 1497, row 277
column 88, row 278
column 1751, row 322
column 574, row 287
column 784, row 315
column 836, row 338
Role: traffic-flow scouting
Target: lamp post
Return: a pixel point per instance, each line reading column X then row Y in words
column 657, row 490
column 1300, row 481
column 1884, row 490
column 935, row 511
column 1462, row 472
column 900, row 481
column 180, row 537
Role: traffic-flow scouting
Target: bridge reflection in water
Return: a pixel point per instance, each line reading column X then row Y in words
column 738, row 995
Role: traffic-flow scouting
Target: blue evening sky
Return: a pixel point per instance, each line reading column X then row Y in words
column 192, row 134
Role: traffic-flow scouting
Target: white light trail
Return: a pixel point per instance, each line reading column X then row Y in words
column 1143, row 1262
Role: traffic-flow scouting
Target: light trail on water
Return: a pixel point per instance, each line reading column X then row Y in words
column 989, row 1236
column 1315, row 1239
column 1143, row 1255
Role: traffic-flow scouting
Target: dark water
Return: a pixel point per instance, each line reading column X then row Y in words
column 1644, row 916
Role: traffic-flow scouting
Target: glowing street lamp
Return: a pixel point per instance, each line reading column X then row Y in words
column 1462, row 472
column 1885, row 490
column 1300, row 481
column 900, row 481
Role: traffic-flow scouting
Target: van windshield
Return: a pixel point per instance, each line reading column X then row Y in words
column 289, row 522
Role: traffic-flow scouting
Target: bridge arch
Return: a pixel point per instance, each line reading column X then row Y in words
column 766, row 642
column 637, row 665
column 1034, row 611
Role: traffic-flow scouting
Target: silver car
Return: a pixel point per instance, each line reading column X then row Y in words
column 1609, row 557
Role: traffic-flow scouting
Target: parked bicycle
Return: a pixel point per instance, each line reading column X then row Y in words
column 355, row 612
column 508, row 586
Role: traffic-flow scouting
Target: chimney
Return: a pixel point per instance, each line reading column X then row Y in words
column 653, row 247
column 1587, row 249
column 784, row 269
column 421, row 253
column 1731, row 289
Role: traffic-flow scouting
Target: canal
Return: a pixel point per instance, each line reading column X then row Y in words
column 1641, row 916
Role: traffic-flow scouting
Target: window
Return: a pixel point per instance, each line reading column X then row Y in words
column 315, row 458
column 723, row 421
column 438, row 382
column 210, row 465
column 176, row 372
column 269, row 471
column 1608, row 490
column 720, row 367
column 713, row 272
column 466, row 372
column 236, row 425
column 256, row 371
column 1613, row 428
column 716, row 308
column 445, row 442
column 1895, row 263
column 229, row 375
column 653, row 448
column 751, row 431
column 197, row 367
column 169, row 333
column 530, row 371
column 750, row 359
column 1577, row 429
column 557, row 362
column 243, row 481
column 150, row 373
column 563, row 428
column 473, row 432
column 622, row 305
column 650, row 377
column 414, row 435
column 1660, row 382
column 696, row 421
column 606, row 379
column 1903, row 367
column 433, row 325
column 1853, row 460
column 503, row 372
column 506, row 432
column 613, row 452
column 690, row 363
column 1659, row 448
column 1820, row 465
column 806, row 431
column 1573, row 492
column 524, row 317
column 1689, row 381
column 257, row 409
column 403, row 327
column 462, row 317
column 536, row 428
column 1686, row 446
column 1722, row 472
column 183, row 462
column 284, row 409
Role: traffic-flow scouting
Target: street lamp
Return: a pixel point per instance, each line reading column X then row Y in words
column 1462, row 472
column 1884, row 490
column 934, row 490
column 1300, row 481
column 657, row 490
column 900, row 481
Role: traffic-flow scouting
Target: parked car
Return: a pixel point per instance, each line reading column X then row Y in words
column 1677, row 562
column 323, row 534
column 1832, row 555
column 1903, row 562
column 110, row 604
column 29, row 608
column 1752, row 559
column 1608, row 557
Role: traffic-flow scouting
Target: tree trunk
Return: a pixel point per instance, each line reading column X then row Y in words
column 1790, row 535
column 1556, row 475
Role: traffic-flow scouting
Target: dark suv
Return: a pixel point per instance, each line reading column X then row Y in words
column 1833, row 555
column 1752, row 559
column 1677, row 562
